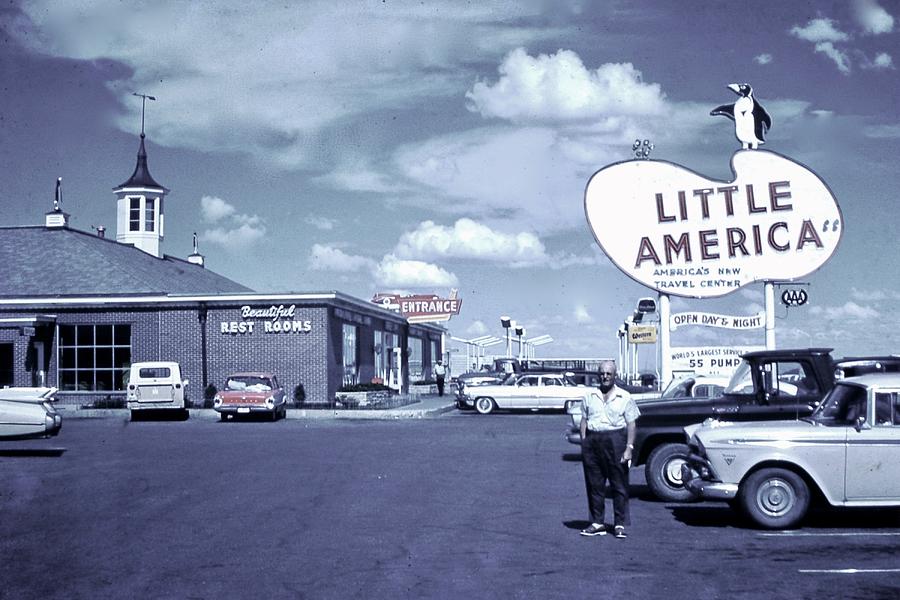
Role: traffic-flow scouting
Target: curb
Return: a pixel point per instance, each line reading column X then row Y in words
column 208, row 414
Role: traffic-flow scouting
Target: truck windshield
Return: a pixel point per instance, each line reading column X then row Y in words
column 742, row 380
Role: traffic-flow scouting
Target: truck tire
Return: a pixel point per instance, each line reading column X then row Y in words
column 774, row 498
column 485, row 405
column 663, row 473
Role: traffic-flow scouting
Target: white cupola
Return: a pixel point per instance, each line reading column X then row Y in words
column 139, row 212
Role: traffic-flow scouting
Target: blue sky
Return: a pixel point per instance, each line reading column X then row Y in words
column 421, row 146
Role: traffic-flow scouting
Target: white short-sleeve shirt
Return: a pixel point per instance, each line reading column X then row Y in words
column 606, row 415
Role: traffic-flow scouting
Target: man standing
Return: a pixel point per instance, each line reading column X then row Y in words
column 607, row 440
column 440, row 372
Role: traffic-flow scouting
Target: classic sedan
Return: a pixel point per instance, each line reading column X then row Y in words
column 28, row 413
column 847, row 452
column 527, row 390
column 247, row 393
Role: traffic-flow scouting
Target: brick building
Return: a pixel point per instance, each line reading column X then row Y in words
column 77, row 308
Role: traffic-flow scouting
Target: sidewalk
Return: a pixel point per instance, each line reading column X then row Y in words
column 428, row 406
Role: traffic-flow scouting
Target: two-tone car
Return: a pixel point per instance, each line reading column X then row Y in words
column 846, row 453
column 251, row 393
column 529, row 390
column 28, row 412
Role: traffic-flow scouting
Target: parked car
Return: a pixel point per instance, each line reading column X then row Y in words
column 847, row 453
column 246, row 393
column 28, row 412
column 526, row 390
column 154, row 386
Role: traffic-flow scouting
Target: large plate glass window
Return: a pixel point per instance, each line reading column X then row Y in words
column 94, row 357
column 351, row 375
column 415, row 358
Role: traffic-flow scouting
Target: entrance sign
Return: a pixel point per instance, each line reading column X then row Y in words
column 713, row 361
column 683, row 234
column 422, row 308
column 756, row 321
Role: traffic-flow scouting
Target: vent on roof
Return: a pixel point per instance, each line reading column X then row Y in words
column 100, row 229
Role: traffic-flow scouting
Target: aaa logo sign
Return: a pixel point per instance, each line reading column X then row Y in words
column 683, row 234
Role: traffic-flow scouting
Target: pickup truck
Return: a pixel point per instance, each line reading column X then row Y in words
column 767, row 385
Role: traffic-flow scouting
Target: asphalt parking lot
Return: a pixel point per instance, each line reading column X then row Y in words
column 459, row 505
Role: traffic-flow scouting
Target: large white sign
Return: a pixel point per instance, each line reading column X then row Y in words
column 756, row 321
column 683, row 234
column 712, row 361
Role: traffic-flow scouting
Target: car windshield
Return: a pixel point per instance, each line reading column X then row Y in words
column 842, row 406
column 248, row 383
column 742, row 380
column 679, row 389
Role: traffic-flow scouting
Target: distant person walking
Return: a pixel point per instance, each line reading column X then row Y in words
column 608, row 427
column 440, row 372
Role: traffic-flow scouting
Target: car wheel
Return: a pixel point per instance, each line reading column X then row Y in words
column 223, row 416
column 663, row 473
column 485, row 405
column 774, row 498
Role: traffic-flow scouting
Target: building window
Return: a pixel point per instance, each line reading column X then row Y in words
column 149, row 215
column 94, row 357
column 415, row 358
column 351, row 374
column 134, row 214
column 386, row 367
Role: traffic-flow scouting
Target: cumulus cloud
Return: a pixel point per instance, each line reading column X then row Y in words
column 819, row 30
column 393, row 271
column 323, row 223
column 233, row 230
column 559, row 87
column 359, row 176
column 763, row 59
column 882, row 60
column 468, row 239
column 849, row 310
column 839, row 57
column 883, row 131
column 872, row 18
column 215, row 209
column 581, row 314
column 323, row 257
column 477, row 328
column 266, row 79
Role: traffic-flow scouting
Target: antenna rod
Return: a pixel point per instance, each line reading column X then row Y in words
column 144, row 98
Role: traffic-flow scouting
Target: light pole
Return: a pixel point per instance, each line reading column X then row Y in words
column 520, row 331
column 507, row 323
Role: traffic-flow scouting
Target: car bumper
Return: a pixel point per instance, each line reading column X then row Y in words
column 231, row 409
column 704, row 488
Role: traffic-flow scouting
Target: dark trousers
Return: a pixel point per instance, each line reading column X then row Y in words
column 440, row 383
column 601, row 453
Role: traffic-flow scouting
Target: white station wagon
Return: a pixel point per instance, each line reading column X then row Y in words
column 848, row 450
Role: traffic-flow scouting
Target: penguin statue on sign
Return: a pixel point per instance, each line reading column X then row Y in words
column 751, row 121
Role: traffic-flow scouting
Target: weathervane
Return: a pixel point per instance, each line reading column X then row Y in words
column 642, row 149
column 144, row 98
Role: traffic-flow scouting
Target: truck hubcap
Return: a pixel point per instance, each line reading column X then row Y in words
column 673, row 472
column 775, row 497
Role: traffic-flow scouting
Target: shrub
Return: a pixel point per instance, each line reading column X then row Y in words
column 208, row 395
column 299, row 395
column 106, row 402
column 364, row 387
column 425, row 382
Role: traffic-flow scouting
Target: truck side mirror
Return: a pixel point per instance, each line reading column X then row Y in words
column 858, row 423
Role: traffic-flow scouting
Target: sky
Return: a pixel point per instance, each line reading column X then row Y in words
column 419, row 147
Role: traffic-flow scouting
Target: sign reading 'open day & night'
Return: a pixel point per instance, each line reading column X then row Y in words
column 683, row 234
